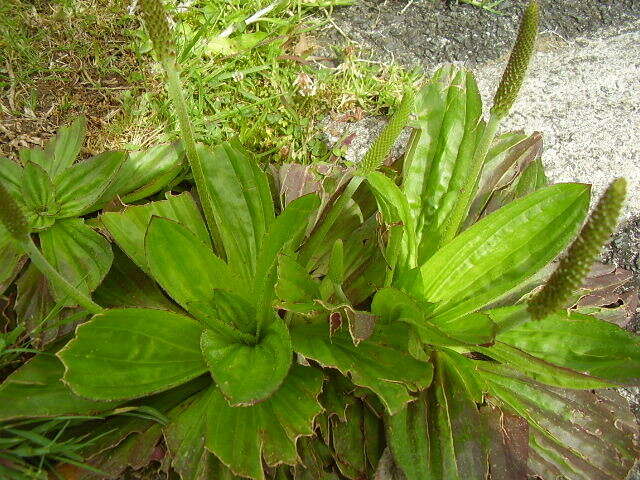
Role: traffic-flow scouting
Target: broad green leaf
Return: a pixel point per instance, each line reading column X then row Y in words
column 12, row 258
column 185, row 437
column 579, row 342
column 35, row 306
column 36, row 390
column 241, row 437
column 295, row 288
column 137, row 352
column 448, row 111
column 80, row 186
column 38, row 196
column 285, row 233
column 241, row 202
column 382, row 363
column 127, row 286
column 440, row 436
column 584, row 434
column 81, row 255
column 145, row 172
column 541, row 370
column 501, row 251
column 248, row 372
column 184, row 266
column 11, row 176
column 63, row 149
column 392, row 305
column 129, row 227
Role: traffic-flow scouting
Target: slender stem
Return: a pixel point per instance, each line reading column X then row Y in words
column 58, row 280
column 461, row 207
column 174, row 89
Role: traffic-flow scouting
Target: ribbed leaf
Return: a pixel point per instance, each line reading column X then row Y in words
column 61, row 151
column 580, row 342
column 81, row 255
column 241, row 437
column 127, row 286
column 11, row 259
column 129, row 227
column 36, row 390
column 38, row 196
column 448, row 112
column 185, row 437
column 136, row 352
column 440, row 436
column 580, row 434
column 184, row 266
column 381, row 363
column 242, row 203
column 392, row 305
column 11, row 176
column 145, row 172
column 80, row 186
column 501, row 251
column 247, row 373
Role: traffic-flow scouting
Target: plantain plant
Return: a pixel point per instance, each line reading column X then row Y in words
column 55, row 194
column 331, row 323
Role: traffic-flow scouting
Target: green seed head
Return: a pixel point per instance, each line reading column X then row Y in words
column 12, row 216
column 155, row 20
column 516, row 69
column 380, row 149
column 575, row 265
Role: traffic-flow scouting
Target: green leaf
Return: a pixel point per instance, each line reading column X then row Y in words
column 185, row 437
column 81, row 255
column 127, row 286
column 39, row 196
column 581, row 434
column 34, row 306
column 382, row 363
column 12, row 259
column 61, row 151
column 136, row 351
column 285, row 233
column 541, row 370
column 357, row 440
column 440, row 436
column 145, row 172
column 80, row 186
column 11, row 176
column 396, row 212
column 295, row 288
column 241, row 437
column 184, row 266
column 241, row 202
column 129, row 227
column 448, row 111
column 501, row 251
column 248, row 372
column 392, row 305
column 579, row 342
column 36, row 390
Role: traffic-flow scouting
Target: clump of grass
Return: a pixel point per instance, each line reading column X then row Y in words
column 257, row 73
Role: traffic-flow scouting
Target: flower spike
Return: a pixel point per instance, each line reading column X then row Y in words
column 575, row 265
column 12, row 216
column 516, row 69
